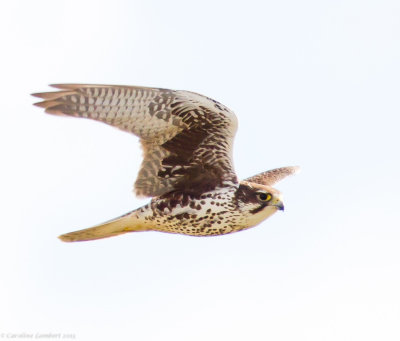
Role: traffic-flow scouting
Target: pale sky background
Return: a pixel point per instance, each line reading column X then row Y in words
column 313, row 83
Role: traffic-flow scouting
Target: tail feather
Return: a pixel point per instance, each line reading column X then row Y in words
column 115, row 227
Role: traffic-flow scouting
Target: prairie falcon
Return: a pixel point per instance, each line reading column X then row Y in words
column 187, row 166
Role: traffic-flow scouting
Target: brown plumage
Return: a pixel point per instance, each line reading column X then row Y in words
column 187, row 165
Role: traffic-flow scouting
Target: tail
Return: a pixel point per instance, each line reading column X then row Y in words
column 126, row 223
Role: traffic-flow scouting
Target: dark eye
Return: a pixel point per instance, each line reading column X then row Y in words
column 264, row 196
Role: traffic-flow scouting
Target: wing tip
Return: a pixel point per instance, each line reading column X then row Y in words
column 65, row 86
column 50, row 107
column 66, row 238
column 75, row 237
column 38, row 94
column 40, row 104
column 295, row 169
column 274, row 176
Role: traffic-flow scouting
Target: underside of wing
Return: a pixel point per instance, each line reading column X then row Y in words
column 186, row 137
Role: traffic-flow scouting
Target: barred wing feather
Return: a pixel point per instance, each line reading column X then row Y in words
column 186, row 137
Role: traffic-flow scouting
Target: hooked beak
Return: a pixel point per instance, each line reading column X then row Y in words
column 279, row 205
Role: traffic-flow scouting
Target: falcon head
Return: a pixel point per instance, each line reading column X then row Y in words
column 258, row 202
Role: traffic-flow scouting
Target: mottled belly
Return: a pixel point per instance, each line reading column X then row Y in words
column 193, row 225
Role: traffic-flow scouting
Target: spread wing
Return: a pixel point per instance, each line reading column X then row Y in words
column 186, row 137
column 273, row 176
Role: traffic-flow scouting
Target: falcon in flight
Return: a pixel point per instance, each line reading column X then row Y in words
column 187, row 166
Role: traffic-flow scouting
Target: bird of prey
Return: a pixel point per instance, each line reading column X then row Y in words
column 187, row 166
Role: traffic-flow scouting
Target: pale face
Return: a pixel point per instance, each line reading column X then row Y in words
column 256, row 218
column 258, row 202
